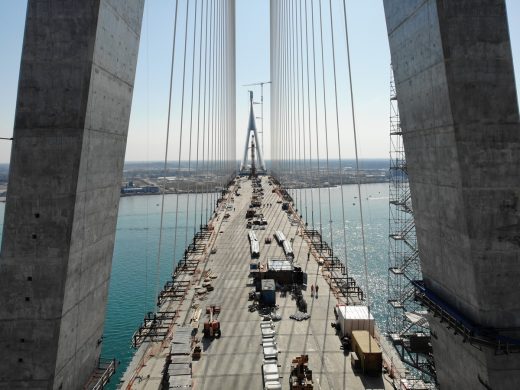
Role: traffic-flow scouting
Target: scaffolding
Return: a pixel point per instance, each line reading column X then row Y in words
column 407, row 326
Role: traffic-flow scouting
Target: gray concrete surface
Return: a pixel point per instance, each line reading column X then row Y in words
column 72, row 113
column 459, row 114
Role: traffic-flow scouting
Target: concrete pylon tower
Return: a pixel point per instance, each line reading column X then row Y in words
column 251, row 128
column 455, row 84
column 71, row 123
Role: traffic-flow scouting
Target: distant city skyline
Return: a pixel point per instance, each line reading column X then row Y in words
column 370, row 67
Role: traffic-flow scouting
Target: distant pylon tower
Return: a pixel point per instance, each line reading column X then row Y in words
column 252, row 128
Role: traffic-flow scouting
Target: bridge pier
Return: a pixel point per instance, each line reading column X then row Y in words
column 74, row 98
column 459, row 115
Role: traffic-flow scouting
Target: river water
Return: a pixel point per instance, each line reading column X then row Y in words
column 134, row 279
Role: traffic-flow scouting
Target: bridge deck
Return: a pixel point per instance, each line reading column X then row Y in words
column 235, row 360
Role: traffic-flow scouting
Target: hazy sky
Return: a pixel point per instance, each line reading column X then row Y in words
column 370, row 67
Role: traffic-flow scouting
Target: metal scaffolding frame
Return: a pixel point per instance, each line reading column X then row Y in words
column 406, row 325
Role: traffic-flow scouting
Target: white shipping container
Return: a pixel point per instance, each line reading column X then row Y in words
column 354, row 318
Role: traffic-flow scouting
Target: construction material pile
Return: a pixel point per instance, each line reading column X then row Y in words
column 301, row 376
column 299, row 316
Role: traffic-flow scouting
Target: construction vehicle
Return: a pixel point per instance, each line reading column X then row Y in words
column 212, row 326
column 301, row 376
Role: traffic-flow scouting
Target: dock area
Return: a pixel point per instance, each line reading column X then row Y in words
column 221, row 259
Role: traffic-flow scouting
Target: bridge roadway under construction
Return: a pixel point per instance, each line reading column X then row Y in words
column 234, row 361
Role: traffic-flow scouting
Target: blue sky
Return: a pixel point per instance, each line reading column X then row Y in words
column 370, row 67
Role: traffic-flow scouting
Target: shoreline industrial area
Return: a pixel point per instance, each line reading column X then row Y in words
column 133, row 186
column 141, row 178
column 146, row 178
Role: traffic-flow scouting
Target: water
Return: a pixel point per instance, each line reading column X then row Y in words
column 134, row 278
column 374, row 199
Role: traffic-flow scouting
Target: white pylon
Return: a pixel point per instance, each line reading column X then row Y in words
column 251, row 127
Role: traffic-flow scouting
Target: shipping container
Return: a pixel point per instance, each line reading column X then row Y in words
column 352, row 318
column 281, row 270
column 368, row 352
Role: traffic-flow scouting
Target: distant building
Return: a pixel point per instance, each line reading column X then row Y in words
column 130, row 190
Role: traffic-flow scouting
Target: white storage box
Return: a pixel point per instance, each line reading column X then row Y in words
column 354, row 318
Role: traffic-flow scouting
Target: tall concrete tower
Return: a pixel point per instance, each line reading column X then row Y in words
column 459, row 115
column 74, row 98
column 251, row 131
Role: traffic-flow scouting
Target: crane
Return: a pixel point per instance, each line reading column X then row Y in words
column 261, row 84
